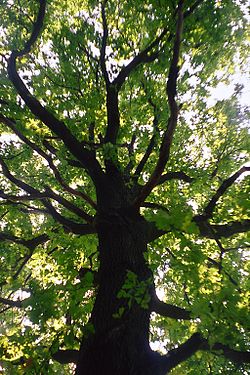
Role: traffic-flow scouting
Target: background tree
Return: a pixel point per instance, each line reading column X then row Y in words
column 120, row 178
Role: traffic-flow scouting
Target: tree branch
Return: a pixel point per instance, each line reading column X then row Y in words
column 70, row 206
column 197, row 342
column 69, row 225
column 167, row 310
column 175, row 176
column 172, row 122
column 152, row 141
column 142, row 57
column 42, row 195
column 19, row 199
column 11, row 303
column 104, row 43
column 56, row 126
column 30, row 244
column 66, row 356
column 208, row 211
column 221, row 230
column 206, row 230
column 192, row 8
column 145, row 56
column 12, row 125
column 182, row 353
column 29, row 189
column 231, row 354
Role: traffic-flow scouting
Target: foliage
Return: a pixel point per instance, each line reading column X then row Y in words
column 49, row 187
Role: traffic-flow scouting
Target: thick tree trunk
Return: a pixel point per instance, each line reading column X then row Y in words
column 119, row 345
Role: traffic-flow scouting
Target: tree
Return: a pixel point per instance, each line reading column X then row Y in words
column 120, row 180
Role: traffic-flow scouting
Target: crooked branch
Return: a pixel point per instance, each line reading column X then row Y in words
column 142, row 57
column 12, row 125
column 70, row 206
column 208, row 211
column 30, row 244
column 69, row 225
column 173, row 107
column 11, row 303
column 175, row 176
column 48, row 193
column 104, row 43
column 168, row 310
column 221, row 230
column 147, row 55
column 56, row 126
column 152, row 141
column 66, row 356
column 197, row 342
column 21, row 184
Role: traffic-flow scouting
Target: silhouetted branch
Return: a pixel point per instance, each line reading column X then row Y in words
column 181, row 353
column 221, row 230
column 11, row 303
column 147, row 55
column 11, row 124
column 208, row 211
column 70, row 206
column 104, row 43
column 142, row 57
column 168, row 310
column 175, row 176
column 35, row 194
column 66, row 356
column 21, row 184
column 69, row 225
column 231, row 354
column 205, row 229
column 172, row 122
column 56, row 126
column 31, row 243
column 197, row 342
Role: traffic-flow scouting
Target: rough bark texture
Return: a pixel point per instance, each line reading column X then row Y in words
column 118, row 345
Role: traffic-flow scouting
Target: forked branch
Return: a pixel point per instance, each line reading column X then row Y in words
column 68, row 224
column 10, row 123
column 208, row 211
column 56, row 126
column 197, row 342
column 205, row 229
column 173, row 107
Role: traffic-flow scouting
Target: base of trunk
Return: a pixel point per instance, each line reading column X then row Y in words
column 114, row 354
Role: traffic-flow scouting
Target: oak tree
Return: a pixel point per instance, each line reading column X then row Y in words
column 123, row 192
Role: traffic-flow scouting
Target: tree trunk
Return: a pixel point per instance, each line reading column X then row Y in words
column 120, row 344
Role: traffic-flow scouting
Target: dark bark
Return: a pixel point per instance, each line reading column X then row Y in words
column 119, row 345
column 171, row 91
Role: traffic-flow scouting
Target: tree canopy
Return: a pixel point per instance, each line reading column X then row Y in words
column 124, row 188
